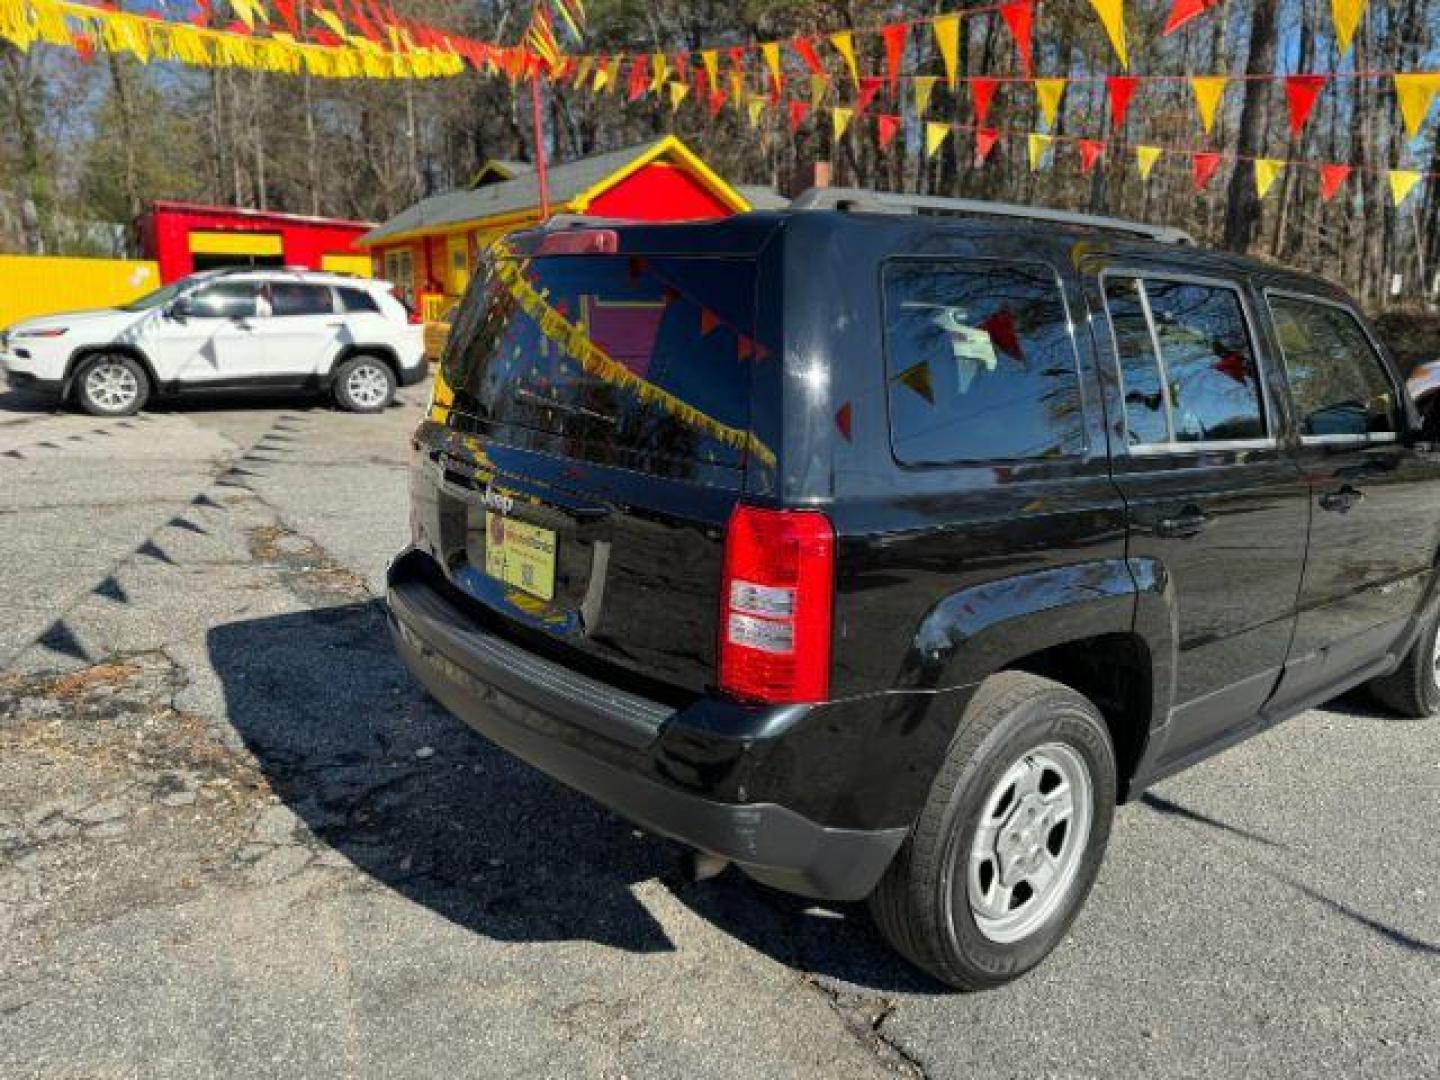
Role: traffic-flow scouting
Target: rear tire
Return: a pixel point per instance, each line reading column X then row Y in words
column 1413, row 689
column 112, row 384
column 1010, row 839
column 364, row 384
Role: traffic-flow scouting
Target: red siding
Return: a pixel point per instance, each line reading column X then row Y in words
column 164, row 233
column 660, row 192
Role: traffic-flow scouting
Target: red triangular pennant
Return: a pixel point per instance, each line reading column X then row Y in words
column 985, row 140
column 889, row 126
column 1301, row 92
column 1184, row 11
column 708, row 321
column 1204, row 166
column 1121, row 89
column 639, row 77
column 1332, row 179
column 982, row 93
column 1001, row 328
column 799, row 110
column 286, row 8
column 1091, row 151
column 894, row 36
column 805, row 48
column 844, row 416
column 744, row 347
column 717, row 101
column 1020, row 18
column 870, row 87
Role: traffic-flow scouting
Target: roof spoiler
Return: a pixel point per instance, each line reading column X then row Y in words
column 860, row 200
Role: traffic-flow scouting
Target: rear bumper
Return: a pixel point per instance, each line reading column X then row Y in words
column 606, row 743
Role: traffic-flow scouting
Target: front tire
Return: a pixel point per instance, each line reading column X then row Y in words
column 1413, row 688
column 364, row 384
column 1010, row 839
column 112, row 384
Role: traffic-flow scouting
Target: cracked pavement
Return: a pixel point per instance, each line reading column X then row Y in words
column 235, row 839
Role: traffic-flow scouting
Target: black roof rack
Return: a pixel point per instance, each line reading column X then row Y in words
column 883, row 202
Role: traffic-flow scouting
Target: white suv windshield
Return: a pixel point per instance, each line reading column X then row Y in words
column 157, row 298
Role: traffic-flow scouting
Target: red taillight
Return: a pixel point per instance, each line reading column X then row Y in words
column 775, row 601
column 580, row 242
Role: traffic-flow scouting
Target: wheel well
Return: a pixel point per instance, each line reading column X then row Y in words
column 379, row 352
column 1113, row 671
column 79, row 356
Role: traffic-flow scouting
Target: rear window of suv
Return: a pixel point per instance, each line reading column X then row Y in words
column 636, row 361
column 981, row 363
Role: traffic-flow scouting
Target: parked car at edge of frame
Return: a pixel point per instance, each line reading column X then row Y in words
column 241, row 328
column 882, row 552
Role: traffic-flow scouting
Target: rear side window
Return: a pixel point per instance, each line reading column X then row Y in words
column 981, row 363
column 1337, row 378
column 632, row 359
column 291, row 298
column 357, row 301
column 1187, row 362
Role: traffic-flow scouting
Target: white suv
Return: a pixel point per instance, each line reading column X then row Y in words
column 225, row 329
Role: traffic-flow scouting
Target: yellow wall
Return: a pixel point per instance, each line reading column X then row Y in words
column 43, row 285
column 359, row 265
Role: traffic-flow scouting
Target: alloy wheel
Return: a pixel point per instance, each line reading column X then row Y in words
column 111, row 386
column 367, row 386
column 1029, row 843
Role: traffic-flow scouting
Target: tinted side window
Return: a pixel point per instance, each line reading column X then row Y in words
column 1146, row 416
column 357, row 300
column 224, row 300
column 981, row 364
column 1336, row 378
column 291, row 298
column 1206, row 385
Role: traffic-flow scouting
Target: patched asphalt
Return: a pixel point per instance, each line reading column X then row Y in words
column 236, row 840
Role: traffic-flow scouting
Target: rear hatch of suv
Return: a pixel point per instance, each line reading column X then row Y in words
column 590, row 436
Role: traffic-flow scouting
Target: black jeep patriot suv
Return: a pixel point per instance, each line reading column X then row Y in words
column 881, row 546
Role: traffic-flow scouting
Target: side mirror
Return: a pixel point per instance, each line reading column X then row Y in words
column 178, row 311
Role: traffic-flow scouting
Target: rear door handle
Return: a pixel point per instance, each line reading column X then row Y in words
column 1342, row 501
column 1191, row 521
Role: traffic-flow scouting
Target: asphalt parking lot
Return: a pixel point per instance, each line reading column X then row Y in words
column 236, row 840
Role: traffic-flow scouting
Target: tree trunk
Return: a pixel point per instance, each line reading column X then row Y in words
column 1242, row 219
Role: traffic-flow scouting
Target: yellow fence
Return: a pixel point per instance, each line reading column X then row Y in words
column 43, row 285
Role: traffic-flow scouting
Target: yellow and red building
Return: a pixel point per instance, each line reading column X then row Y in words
column 429, row 250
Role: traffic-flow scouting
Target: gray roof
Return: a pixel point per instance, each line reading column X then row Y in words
column 762, row 198
column 567, row 181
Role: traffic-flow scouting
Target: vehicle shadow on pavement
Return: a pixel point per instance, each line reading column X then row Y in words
column 381, row 775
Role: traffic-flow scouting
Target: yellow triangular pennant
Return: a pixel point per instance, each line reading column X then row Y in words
column 711, row 60
column 1112, row 17
column 770, row 50
column 947, row 38
column 755, row 107
column 1402, row 183
column 1416, row 93
column 1049, row 92
column 1039, row 147
column 1209, row 91
column 660, row 72
column 1267, row 171
column 678, row 90
column 819, row 86
column 935, row 135
column 844, row 43
column 924, row 88
column 1348, row 14
column 1146, row 157
column 840, row 120
column 917, row 378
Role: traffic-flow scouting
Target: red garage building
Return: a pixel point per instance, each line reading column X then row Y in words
column 185, row 237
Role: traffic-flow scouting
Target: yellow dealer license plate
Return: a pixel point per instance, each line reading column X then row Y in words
column 520, row 555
